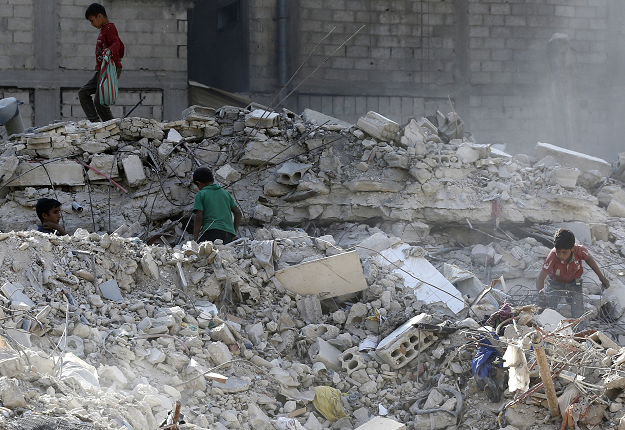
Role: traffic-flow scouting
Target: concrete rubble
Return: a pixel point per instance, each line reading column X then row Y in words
column 374, row 260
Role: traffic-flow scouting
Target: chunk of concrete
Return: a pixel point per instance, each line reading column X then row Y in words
column 110, row 291
column 133, row 170
column 351, row 360
column 262, row 119
column 7, row 168
column 566, row 177
column 323, row 352
column 291, row 173
column 227, row 174
column 11, row 394
column 318, row 118
column 413, row 136
column 378, row 126
column 271, row 151
column 11, row 366
column 327, row 277
column 61, row 173
column 572, row 158
column 310, row 309
column 14, row 292
column 198, row 113
column 381, row 423
column 404, row 343
column 262, row 213
column 106, row 164
column 601, row 339
column 219, row 352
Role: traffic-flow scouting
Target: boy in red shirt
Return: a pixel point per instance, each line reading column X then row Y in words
column 564, row 267
column 107, row 39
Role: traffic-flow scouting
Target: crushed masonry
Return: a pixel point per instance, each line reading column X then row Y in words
column 389, row 265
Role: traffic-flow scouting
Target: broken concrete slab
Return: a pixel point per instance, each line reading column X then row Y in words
column 110, row 291
column 60, row 173
column 565, row 156
column 327, row 277
column 323, row 352
column 566, row 177
column 378, row 126
column 419, row 275
column 14, row 292
column 319, row 118
column 381, row 423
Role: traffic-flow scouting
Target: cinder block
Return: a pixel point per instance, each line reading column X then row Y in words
column 133, row 169
column 378, row 126
column 351, row 360
column 403, row 345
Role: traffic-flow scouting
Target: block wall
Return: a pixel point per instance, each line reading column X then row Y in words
column 16, row 34
column 154, row 33
column 488, row 56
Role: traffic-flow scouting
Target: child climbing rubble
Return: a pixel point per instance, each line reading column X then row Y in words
column 108, row 39
column 564, row 267
column 49, row 212
column 214, row 209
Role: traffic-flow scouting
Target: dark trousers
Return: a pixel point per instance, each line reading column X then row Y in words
column 215, row 234
column 94, row 111
column 570, row 291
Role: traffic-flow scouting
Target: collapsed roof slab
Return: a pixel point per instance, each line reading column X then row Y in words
column 576, row 159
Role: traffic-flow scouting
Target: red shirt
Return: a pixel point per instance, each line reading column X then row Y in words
column 108, row 38
column 561, row 271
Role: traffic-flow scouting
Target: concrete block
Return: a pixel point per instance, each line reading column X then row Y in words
column 227, row 174
column 11, row 367
column 198, row 113
column 262, row 119
column 575, row 159
column 600, row 231
column 133, row 170
column 11, row 394
column 351, row 360
column 219, row 352
column 7, row 168
column 616, row 208
column 262, row 213
column 318, row 118
column 323, row 352
column 566, row 177
column 291, row 173
column 310, row 309
column 378, row 126
column 327, row 277
column 403, row 345
column 380, row 423
column 61, row 173
column 600, row 339
column 106, row 164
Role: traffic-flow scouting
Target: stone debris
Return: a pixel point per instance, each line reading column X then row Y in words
column 414, row 247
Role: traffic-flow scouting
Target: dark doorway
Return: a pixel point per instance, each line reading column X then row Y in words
column 218, row 44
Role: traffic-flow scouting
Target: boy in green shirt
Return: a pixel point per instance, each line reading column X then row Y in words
column 214, row 208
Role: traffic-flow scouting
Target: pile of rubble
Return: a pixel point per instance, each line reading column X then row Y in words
column 404, row 285
column 288, row 331
column 286, row 169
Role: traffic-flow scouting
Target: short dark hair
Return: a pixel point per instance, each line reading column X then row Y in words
column 203, row 174
column 44, row 206
column 94, row 9
column 564, row 239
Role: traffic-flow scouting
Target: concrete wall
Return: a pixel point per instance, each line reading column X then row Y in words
column 48, row 51
column 488, row 56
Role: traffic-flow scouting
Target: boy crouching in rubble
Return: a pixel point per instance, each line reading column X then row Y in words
column 214, row 208
column 49, row 212
column 564, row 267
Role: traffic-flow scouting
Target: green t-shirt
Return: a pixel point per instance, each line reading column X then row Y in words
column 216, row 205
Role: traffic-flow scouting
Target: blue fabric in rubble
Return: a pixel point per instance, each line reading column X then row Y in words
column 483, row 360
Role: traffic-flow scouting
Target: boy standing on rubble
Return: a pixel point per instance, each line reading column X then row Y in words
column 107, row 39
column 564, row 267
column 49, row 213
column 214, row 208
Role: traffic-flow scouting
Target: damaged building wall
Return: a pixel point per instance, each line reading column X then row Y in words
column 490, row 57
column 48, row 52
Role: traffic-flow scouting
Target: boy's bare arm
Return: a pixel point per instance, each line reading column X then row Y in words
column 237, row 217
column 197, row 224
column 55, row 227
column 595, row 268
column 540, row 281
